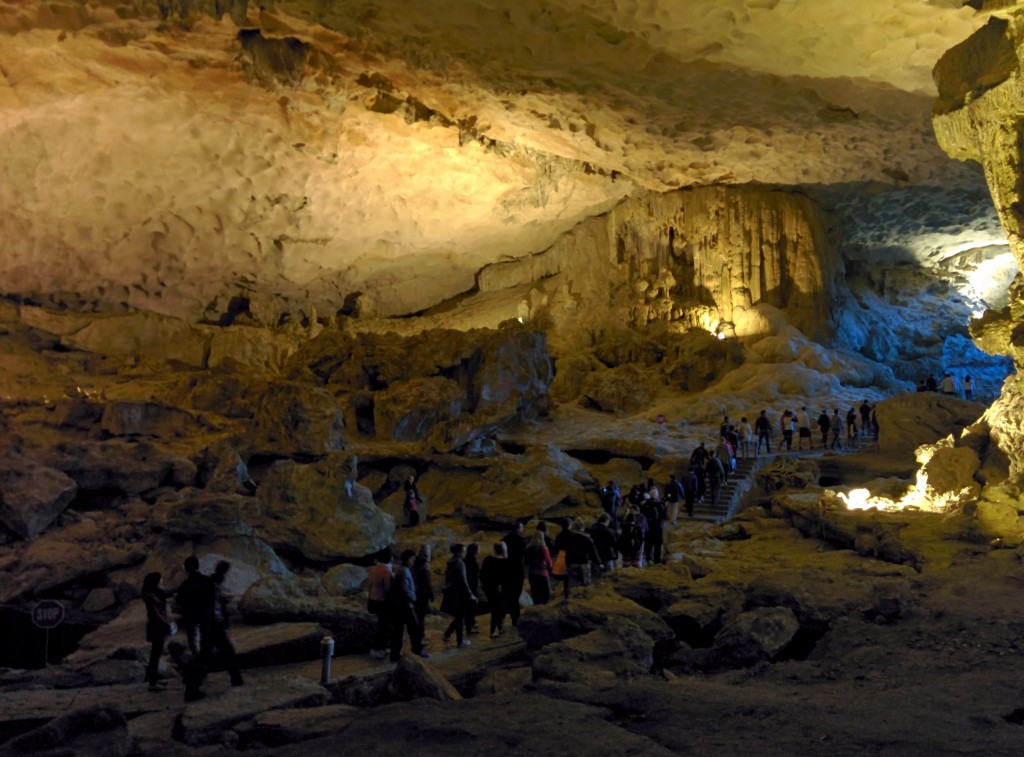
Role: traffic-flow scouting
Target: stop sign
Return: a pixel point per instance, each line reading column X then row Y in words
column 48, row 613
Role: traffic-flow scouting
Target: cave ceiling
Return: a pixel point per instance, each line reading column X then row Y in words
column 175, row 155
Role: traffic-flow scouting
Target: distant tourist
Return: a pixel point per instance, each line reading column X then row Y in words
column 493, row 574
column 763, row 427
column 804, row 424
column 158, row 627
column 458, row 600
column 865, row 417
column 402, row 599
column 424, row 583
column 377, row 603
column 823, row 425
column 968, row 387
column 947, row 385
column 413, row 501
column 539, row 565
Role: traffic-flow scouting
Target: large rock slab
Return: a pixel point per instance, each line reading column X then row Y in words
column 279, row 728
column 620, row 648
column 551, row 623
column 755, row 636
column 277, row 644
column 148, row 419
column 909, row 420
column 320, row 511
column 96, row 731
column 32, row 495
column 415, row 678
column 92, row 547
column 296, row 419
column 532, row 484
column 467, row 383
column 288, row 599
column 482, row 725
column 120, row 466
column 207, row 721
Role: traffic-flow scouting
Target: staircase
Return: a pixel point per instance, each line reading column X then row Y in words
column 739, row 481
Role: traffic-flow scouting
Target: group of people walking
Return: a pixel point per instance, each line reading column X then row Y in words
column 800, row 426
column 202, row 602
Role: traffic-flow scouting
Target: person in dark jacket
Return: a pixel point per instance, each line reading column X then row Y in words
column 630, row 541
column 158, row 627
column 473, row 577
column 424, row 584
column 192, row 597
column 458, row 597
column 494, row 572
column 716, row 477
column 580, row 554
column 605, row 541
column 512, row 587
column 654, row 511
column 220, row 639
column 823, row 425
column 402, row 600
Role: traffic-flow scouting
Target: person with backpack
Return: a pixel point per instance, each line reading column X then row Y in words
column 823, row 425
column 611, row 501
column 763, row 427
column 654, row 512
column 605, row 541
column 851, row 425
column 716, row 477
column 691, row 488
column 630, row 541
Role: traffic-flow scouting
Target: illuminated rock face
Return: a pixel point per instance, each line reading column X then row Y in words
column 978, row 117
column 298, row 160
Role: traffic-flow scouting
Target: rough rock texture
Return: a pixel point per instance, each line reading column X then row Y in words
column 754, row 636
column 318, row 510
column 620, row 648
column 498, row 133
column 99, row 730
column 978, row 115
column 32, row 495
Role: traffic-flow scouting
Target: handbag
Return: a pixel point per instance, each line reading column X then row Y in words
column 560, row 568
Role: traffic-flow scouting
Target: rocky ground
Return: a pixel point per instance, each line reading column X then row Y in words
column 797, row 627
column 757, row 638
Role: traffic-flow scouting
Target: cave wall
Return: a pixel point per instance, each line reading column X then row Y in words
column 719, row 258
column 979, row 116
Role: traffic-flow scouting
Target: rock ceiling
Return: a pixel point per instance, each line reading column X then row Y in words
column 172, row 155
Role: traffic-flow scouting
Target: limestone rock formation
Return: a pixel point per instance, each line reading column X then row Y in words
column 320, row 512
column 32, row 495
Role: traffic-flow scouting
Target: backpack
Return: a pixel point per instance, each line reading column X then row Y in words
column 762, row 425
column 629, row 540
column 609, row 500
column 674, row 491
